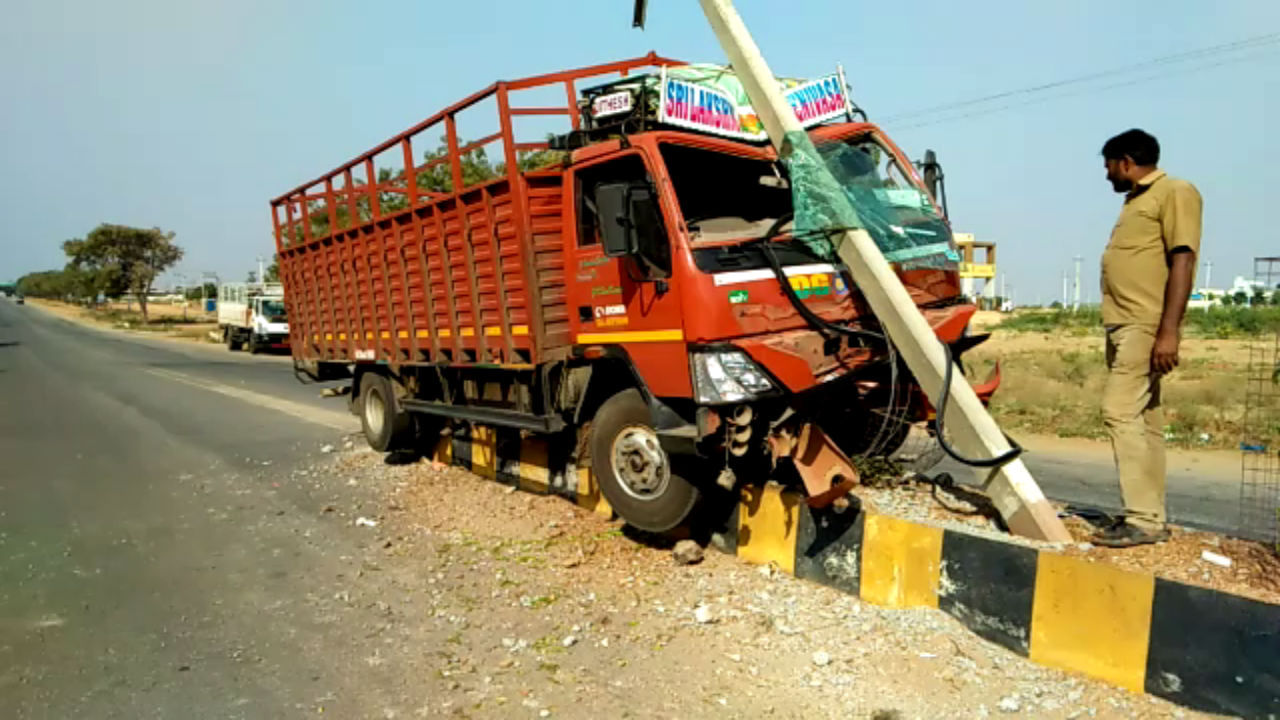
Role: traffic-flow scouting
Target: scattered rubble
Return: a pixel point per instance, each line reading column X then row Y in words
column 494, row 604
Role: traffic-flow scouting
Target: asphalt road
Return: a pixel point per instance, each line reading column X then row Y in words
column 1206, row 498
column 145, row 527
column 153, row 531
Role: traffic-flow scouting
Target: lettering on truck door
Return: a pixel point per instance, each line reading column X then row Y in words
column 631, row 301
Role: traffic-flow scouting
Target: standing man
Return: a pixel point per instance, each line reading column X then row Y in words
column 1147, row 271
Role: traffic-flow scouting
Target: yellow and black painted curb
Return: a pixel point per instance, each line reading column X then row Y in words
column 1199, row 648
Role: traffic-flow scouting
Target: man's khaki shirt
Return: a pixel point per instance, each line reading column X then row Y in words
column 1160, row 214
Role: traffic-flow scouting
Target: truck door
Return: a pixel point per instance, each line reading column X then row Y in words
column 629, row 301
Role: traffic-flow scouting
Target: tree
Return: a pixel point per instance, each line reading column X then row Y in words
column 1240, row 297
column 122, row 259
column 207, row 290
column 273, row 270
column 252, row 277
column 50, row 284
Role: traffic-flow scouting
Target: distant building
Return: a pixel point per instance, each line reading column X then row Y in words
column 977, row 267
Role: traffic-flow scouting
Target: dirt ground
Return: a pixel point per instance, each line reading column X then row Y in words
column 1051, row 384
column 502, row 604
column 122, row 316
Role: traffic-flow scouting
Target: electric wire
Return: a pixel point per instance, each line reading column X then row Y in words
column 1249, row 43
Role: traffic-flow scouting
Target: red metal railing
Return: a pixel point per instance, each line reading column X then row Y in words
column 298, row 208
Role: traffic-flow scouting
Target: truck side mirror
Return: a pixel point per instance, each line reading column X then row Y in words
column 934, row 179
column 613, row 212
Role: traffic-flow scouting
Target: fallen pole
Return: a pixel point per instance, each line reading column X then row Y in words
column 1011, row 488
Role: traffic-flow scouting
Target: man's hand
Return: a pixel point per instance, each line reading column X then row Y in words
column 1182, row 265
column 1164, row 354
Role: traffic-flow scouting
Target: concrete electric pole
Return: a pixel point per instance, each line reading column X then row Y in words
column 1075, row 304
column 1013, row 491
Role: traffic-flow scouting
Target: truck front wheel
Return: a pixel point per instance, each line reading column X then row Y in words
column 634, row 473
column 386, row 427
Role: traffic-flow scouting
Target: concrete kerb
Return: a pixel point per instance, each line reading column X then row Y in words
column 1200, row 648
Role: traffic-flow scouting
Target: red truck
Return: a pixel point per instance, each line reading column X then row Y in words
column 626, row 296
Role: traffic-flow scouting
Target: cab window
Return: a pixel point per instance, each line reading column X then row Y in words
column 654, row 256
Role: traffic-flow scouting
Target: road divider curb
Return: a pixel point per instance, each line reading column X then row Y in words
column 1201, row 648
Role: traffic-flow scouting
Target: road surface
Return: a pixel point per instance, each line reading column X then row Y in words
column 1202, row 492
column 132, row 472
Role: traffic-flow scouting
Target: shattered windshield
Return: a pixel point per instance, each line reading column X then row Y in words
column 728, row 198
column 895, row 210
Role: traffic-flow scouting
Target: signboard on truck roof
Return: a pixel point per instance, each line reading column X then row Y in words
column 706, row 108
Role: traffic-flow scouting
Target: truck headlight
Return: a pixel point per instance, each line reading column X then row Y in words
column 724, row 376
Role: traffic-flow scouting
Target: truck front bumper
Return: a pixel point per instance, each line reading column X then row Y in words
column 274, row 341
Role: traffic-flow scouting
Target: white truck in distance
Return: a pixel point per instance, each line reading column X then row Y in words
column 253, row 314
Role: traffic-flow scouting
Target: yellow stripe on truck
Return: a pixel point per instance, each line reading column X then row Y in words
column 631, row 336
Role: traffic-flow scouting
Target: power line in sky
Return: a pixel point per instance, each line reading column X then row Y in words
column 1083, row 91
column 1245, row 44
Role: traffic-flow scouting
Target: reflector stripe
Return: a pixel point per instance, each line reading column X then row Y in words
column 632, row 336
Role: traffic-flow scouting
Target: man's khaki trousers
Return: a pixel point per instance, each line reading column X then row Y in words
column 1134, row 420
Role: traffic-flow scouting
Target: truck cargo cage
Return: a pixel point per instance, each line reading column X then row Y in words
column 426, row 264
column 321, row 198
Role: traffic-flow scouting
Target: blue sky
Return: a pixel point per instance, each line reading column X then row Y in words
column 191, row 116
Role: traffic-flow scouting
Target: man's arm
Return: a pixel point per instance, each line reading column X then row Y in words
column 1180, row 221
column 1164, row 355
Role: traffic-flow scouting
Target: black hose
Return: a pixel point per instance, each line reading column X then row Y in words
column 943, row 395
column 834, row 328
column 810, row 316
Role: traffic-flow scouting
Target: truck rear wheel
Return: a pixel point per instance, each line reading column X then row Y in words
column 634, row 472
column 386, row 427
column 233, row 340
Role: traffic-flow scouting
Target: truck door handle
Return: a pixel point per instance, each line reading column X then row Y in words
column 585, row 314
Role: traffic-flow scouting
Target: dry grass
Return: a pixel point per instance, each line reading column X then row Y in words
column 1053, row 384
column 167, row 320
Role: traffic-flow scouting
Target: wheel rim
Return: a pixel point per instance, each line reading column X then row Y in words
column 639, row 463
column 375, row 410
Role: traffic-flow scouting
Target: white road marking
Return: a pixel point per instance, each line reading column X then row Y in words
column 340, row 421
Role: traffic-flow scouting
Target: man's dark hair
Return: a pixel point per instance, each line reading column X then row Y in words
column 1135, row 144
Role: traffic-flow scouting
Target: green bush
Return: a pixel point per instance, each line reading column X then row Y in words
column 1219, row 322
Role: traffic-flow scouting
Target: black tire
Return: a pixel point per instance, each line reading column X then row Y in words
column 254, row 347
column 387, row 427
column 657, row 506
column 233, row 339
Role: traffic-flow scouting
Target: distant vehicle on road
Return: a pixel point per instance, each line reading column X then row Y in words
column 253, row 314
column 20, row 300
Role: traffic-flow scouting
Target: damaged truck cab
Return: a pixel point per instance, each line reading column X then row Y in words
column 650, row 298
